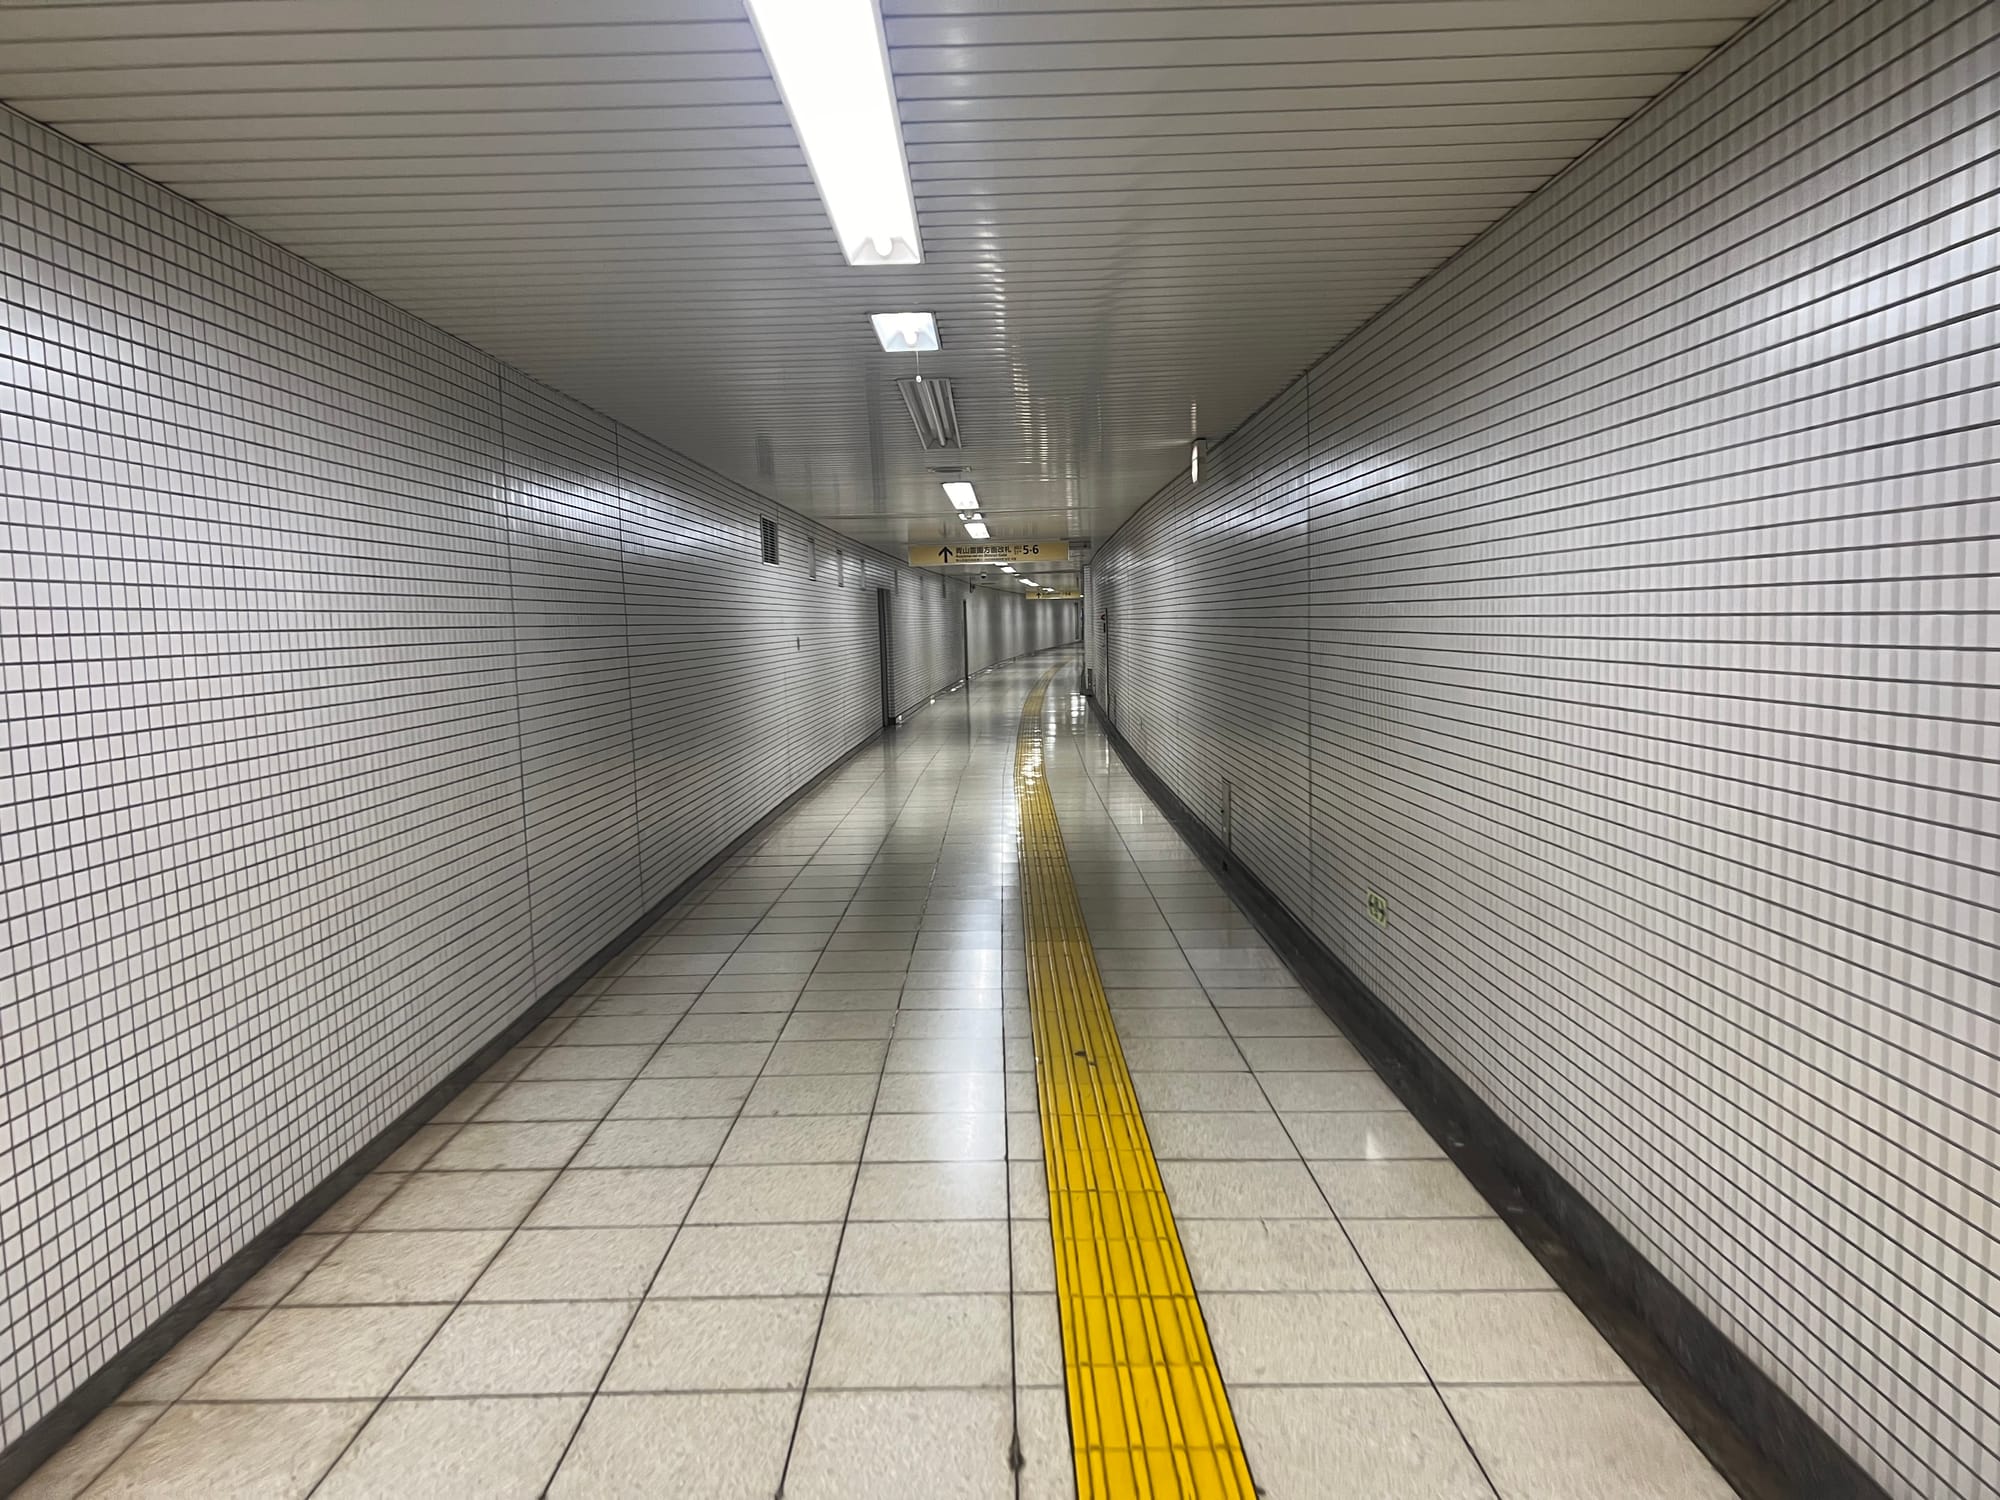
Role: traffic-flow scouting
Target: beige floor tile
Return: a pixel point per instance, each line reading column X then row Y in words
column 1328, row 1092
column 1277, row 1020
column 541, row 1143
column 361, row 1200
column 1028, row 1190
column 727, row 1446
column 952, row 1137
column 1171, row 1054
column 944, row 1055
column 1217, row 1135
column 1034, row 1254
column 708, row 1060
column 812, row 1094
column 559, row 1064
column 726, row 1344
column 462, row 1200
column 283, row 1271
column 751, row 1026
column 773, row 1194
column 1193, row 1091
column 480, row 1449
column 617, row 1198
column 943, row 1025
column 519, row 1349
column 931, row 1190
column 1048, row 1464
column 918, row 1342
column 420, row 1265
column 422, row 1145
column 1242, row 1190
column 1447, row 1255
column 560, row 1265
column 470, row 1100
column 681, row 1098
column 1500, row 1338
column 320, row 1354
column 770, row 1260
column 69, row 1472
column 574, row 1099
column 1307, row 1338
column 1355, row 1443
column 1399, row 1190
column 1271, row 1255
column 1581, row 1443
column 1038, row 1348
column 1373, row 1135
column 966, row 1256
column 653, row 1143
column 902, row 1445
column 792, row 1059
column 188, row 1360
column 259, row 1451
column 782, row 1139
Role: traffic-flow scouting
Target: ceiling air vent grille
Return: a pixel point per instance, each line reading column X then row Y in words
column 932, row 409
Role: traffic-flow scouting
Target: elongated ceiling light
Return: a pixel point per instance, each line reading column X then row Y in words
column 932, row 410
column 833, row 70
column 976, row 530
column 961, row 494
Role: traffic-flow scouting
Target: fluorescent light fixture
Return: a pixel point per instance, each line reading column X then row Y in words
column 1028, row 583
column 1006, row 567
column 833, row 71
column 932, row 410
column 1195, row 450
column 977, row 530
column 905, row 333
column 961, row 494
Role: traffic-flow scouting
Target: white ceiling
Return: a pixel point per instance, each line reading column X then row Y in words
column 1139, row 219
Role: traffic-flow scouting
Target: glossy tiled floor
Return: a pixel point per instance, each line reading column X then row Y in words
column 763, row 1206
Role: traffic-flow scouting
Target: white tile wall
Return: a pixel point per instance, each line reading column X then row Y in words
column 356, row 689
column 1621, row 605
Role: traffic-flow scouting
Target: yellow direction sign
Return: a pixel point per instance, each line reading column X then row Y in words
column 1058, row 594
column 977, row 554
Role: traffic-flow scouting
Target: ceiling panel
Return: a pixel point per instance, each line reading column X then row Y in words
column 1138, row 221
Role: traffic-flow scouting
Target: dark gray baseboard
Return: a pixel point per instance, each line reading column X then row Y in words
column 1757, row 1437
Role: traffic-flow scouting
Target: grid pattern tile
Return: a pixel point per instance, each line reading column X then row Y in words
column 1619, row 609
column 356, row 688
column 762, row 1209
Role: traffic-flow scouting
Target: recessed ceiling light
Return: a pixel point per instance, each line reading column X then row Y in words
column 833, row 71
column 977, row 530
column 1005, row 568
column 905, row 333
column 1195, row 450
column 961, row 494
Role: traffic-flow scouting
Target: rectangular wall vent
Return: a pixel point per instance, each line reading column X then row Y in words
column 768, row 536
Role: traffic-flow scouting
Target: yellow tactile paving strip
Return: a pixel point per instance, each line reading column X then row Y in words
column 1148, row 1415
